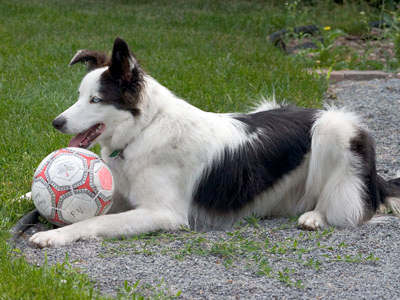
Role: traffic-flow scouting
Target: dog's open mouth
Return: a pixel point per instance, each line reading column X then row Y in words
column 86, row 138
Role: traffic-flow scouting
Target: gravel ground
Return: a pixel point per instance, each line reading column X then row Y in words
column 269, row 259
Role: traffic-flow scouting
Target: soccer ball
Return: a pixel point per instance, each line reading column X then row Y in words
column 72, row 185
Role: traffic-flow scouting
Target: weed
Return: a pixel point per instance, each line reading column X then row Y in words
column 253, row 221
column 139, row 291
column 390, row 20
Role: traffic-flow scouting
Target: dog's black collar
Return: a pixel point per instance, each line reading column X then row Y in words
column 119, row 152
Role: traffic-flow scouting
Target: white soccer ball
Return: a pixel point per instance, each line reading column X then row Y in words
column 72, row 185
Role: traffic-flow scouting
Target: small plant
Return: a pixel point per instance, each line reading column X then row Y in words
column 325, row 53
column 296, row 13
column 139, row 291
column 390, row 23
column 253, row 221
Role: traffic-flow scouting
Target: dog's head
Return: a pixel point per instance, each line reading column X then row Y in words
column 109, row 98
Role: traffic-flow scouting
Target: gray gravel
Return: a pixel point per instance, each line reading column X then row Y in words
column 355, row 263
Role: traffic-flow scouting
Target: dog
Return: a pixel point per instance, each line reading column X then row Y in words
column 175, row 165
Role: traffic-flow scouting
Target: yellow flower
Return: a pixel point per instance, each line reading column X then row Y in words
column 327, row 28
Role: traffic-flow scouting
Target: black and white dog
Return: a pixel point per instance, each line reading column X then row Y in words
column 175, row 164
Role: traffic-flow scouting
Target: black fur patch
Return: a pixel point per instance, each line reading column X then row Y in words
column 92, row 59
column 231, row 183
column 121, row 84
column 377, row 189
column 123, row 95
column 363, row 146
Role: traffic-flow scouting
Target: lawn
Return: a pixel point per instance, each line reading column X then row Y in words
column 215, row 54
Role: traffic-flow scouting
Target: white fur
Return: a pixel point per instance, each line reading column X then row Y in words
column 266, row 104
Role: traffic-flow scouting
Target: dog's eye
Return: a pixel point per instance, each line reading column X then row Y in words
column 95, row 100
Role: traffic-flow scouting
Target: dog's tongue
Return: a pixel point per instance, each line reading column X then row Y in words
column 79, row 140
column 84, row 139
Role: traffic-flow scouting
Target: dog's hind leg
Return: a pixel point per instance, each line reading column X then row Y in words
column 335, row 179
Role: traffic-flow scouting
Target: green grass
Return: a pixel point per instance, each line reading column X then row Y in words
column 215, row 54
column 20, row 280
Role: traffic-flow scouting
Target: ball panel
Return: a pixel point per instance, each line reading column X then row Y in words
column 103, row 180
column 105, row 195
column 42, row 198
column 66, row 170
column 59, row 196
column 78, row 208
column 56, row 219
column 87, row 156
column 82, row 151
column 86, row 186
column 102, row 206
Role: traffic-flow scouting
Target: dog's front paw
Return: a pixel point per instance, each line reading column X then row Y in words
column 311, row 220
column 51, row 238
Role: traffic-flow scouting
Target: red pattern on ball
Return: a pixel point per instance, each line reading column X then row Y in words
column 105, row 179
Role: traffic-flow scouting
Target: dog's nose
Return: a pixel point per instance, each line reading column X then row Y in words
column 59, row 123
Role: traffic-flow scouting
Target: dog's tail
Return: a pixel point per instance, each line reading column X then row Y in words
column 390, row 194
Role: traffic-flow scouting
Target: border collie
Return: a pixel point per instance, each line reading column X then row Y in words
column 176, row 165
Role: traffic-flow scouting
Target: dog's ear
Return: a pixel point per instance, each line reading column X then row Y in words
column 91, row 59
column 123, row 62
